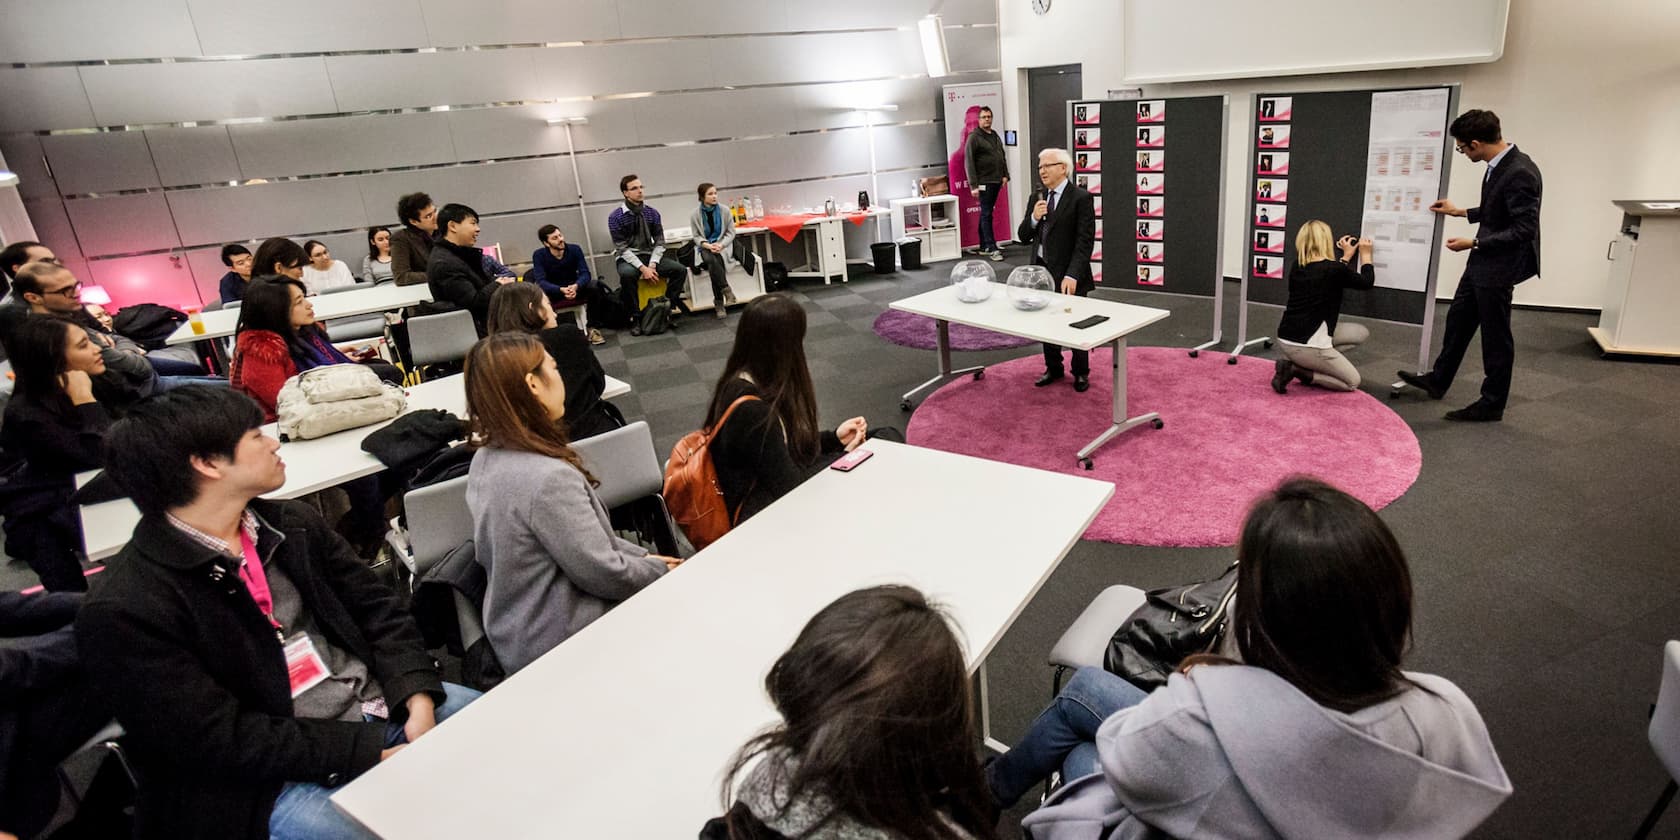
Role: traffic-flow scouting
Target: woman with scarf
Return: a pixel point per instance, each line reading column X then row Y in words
column 714, row 232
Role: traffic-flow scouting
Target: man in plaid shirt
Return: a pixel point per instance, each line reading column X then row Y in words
column 639, row 241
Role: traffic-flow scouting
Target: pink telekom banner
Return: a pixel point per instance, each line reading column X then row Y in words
column 962, row 115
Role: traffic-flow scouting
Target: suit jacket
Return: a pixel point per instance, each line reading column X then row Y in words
column 1508, row 242
column 410, row 248
column 1068, row 234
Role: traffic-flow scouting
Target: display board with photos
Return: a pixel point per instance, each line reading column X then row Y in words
column 1365, row 162
column 1124, row 153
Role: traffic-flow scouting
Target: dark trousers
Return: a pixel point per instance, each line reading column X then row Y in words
column 988, row 203
column 52, row 723
column 668, row 268
column 1489, row 308
column 1053, row 352
column 719, row 270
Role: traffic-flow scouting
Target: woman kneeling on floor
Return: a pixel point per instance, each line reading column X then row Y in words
column 1311, row 340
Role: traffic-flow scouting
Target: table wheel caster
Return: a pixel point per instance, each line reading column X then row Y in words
column 979, row 375
column 1266, row 344
column 1085, row 462
column 1232, row 360
column 1394, row 394
column 1195, row 353
column 1157, row 423
column 903, row 405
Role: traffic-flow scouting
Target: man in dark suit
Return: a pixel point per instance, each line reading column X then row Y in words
column 1504, row 252
column 1062, row 228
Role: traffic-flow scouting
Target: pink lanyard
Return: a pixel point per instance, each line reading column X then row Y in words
column 256, row 578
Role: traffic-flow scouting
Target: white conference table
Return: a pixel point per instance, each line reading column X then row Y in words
column 384, row 297
column 1050, row 325
column 311, row 465
column 624, row 729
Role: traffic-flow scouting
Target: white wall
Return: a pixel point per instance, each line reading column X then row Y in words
column 1590, row 90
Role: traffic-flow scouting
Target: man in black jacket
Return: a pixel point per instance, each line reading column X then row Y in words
column 1062, row 227
column 1504, row 252
column 253, row 659
column 455, row 267
column 988, row 176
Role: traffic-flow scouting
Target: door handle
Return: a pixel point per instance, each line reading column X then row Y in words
column 1610, row 250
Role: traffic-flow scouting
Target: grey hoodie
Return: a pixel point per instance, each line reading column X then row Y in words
column 1235, row 751
column 809, row 817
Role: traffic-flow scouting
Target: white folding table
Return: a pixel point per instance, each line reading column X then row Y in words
column 311, row 465
column 1052, row 324
column 625, row 728
column 385, row 297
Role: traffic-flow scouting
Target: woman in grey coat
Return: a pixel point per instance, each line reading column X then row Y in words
column 714, row 232
column 539, row 530
column 1315, row 733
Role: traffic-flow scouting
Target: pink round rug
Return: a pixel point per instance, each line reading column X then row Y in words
column 921, row 332
column 1228, row 438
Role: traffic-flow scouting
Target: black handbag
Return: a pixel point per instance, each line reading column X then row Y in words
column 1172, row 624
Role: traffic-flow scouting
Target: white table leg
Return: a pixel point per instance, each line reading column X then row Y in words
column 945, row 372
column 986, row 714
column 1121, row 422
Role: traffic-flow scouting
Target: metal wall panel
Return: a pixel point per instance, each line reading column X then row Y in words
column 192, row 156
column 483, row 134
column 972, row 49
column 244, row 27
column 517, row 232
column 487, row 188
column 213, row 90
column 804, row 156
column 784, row 59
column 346, row 144
column 235, row 214
column 43, row 98
column 452, row 23
column 625, row 68
column 867, row 14
column 666, row 172
column 53, row 228
column 122, row 224
column 206, row 267
column 157, row 278
column 80, row 30
column 834, row 105
column 105, row 162
column 660, row 18
column 425, row 80
column 899, row 147
column 26, row 159
column 683, row 117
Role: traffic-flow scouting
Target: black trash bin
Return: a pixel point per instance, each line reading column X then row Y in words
column 910, row 254
column 883, row 254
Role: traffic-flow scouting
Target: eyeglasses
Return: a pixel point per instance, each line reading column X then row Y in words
column 1461, row 147
column 69, row 291
column 1049, row 165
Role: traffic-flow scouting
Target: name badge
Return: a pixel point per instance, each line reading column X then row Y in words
column 304, row 665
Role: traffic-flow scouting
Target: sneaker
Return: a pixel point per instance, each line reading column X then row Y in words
column 1282, row 371
column 718, row 312
column 995, row 256
column 595, row 336
column 729, row 297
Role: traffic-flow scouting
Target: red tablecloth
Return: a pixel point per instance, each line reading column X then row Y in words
column 787, row 227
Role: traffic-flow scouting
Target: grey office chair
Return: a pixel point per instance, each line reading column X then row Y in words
column 438, row 523
column 1664, row 733
column 445, row 337
column 625, row 463
column 106, row 740
column 1085, row 641
column 354, row 327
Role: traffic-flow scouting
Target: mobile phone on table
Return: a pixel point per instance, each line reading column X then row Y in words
column 1088, row 322
column 850, row 460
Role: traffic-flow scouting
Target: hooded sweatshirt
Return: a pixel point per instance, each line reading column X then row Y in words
column 1234, row 751
column 770, row 811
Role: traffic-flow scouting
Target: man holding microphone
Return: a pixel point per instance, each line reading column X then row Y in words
column 1061, row 228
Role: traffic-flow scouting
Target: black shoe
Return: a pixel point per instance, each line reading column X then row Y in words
column 1081, row 382
column 1282, row 371
column 1422, row 382
column 1477, row 412
column 1047, row 378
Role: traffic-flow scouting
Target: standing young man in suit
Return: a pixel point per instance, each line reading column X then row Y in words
column 1504, row 252
column 1061, row 227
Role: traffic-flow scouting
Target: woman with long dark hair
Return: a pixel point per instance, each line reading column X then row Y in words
column 771, row 443
column 278, row 338
column 376, row 266
column 539, row 530
column 877, row 734
column 523, row 307
column 1307, row 728
column 55, row 428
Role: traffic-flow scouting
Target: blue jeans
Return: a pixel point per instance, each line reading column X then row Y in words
column 1063, row 736
column 305, row 811
column 170, row 383
column 988, row 203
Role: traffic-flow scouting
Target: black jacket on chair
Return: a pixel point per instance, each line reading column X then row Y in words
column 199, row 682
column 455, row 274
column 1068, row 233
column 1508, row 240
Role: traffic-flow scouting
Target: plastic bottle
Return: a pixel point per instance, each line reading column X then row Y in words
column 758, row 207
column 196, row 319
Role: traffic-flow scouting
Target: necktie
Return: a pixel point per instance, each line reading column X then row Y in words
column 1051, row 207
